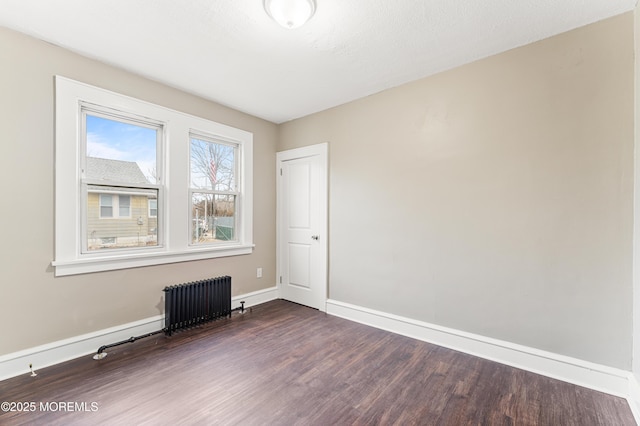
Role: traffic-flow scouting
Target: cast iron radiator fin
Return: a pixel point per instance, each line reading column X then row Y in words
column 189, row 304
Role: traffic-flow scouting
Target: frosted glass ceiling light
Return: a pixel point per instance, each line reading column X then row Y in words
column 290, row 13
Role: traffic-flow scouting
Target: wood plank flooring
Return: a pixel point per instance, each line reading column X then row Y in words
column 285, row 364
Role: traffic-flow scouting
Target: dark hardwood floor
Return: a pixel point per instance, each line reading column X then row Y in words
column 285, row 364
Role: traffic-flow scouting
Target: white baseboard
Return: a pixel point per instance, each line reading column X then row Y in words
column 634, row 397
column 583, row 373
column 255, row 298
column 17, row 363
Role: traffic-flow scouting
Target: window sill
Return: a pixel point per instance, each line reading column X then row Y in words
column 110, row 263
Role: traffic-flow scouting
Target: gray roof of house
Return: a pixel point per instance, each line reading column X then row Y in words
column 114, row 170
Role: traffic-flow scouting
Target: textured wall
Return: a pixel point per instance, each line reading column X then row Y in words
column 636, row 238
column 494, row 198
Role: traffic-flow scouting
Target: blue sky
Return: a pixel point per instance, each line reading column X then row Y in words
column 115, row 140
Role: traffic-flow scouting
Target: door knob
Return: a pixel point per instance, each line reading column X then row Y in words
column 315, row 237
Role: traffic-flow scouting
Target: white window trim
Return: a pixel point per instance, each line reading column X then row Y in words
column 173, row 206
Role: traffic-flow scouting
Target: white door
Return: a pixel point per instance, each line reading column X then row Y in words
column 302, row 225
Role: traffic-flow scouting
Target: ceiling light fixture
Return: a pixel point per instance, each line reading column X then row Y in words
column 290, row 13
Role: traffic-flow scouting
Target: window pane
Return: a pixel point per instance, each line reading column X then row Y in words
column 120, row 152
column 106, row 205
column 132, row 227
column 153, row 207
column 212, row 165
column 125, row 205
column 213, row 218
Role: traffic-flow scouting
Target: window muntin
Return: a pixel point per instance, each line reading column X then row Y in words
column 214, row 190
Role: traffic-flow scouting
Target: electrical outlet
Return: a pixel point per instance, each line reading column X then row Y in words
column 259, row 273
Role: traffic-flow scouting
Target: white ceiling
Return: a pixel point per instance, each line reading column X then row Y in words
column 229, row 51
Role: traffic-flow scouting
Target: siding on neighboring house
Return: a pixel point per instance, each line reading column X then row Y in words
column 138, row 229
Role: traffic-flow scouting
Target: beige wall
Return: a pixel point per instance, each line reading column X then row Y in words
column 35, row 307
column 495, row 198
column 636, row 236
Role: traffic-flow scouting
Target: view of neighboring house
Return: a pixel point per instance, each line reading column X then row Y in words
column 119, row 216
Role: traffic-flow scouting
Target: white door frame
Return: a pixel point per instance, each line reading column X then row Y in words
column 320, row 150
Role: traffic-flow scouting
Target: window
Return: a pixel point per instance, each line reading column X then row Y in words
column 108, row 203
column 153, row 207
column 115, row 163
column 118, row 168
column 124, row 207
column 214, row 190
column 106, row 206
